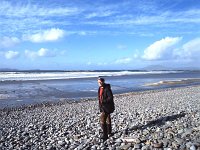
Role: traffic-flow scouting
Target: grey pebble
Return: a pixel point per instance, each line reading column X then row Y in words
column 137, row 146
column 125, row 147
column 168, row 116
column 192, row 147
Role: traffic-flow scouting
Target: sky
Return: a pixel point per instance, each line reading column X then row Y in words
column 99, row 35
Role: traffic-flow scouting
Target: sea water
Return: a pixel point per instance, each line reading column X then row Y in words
column 30, row 87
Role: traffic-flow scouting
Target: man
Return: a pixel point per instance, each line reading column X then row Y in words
column 106, row 106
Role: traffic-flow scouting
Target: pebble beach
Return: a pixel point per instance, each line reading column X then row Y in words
column 166, row 119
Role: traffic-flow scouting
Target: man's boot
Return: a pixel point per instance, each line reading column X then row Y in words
column 105, row 132
column 109, row 129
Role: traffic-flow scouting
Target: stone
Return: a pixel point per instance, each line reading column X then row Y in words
column 118, row 141
column 56, row 126
column 187, row 132
column 167, row 148
column 61, row 143
column 188, row 144
column 137, row 146
column 175, row 145
column 137, row 141
column 179, row 140
column 125, row 147
column 165, row 142
column 146, row 147
column 49, row 147
column 182, row 147
column 158, row 145
column 94, row 147
column 80, row 147
column 192, row 147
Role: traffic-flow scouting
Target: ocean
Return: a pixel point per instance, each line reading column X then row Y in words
column 31, row 87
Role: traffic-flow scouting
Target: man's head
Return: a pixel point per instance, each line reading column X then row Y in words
column 101, row 81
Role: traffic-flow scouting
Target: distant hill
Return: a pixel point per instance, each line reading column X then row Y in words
column 160, row 67
column 189, row 68
column 7, row 69
column 156, row 67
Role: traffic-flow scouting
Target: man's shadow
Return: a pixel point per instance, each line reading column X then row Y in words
column 161, row 121
column 158, row 122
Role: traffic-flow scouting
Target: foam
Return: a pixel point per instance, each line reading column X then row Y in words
column 26, row 76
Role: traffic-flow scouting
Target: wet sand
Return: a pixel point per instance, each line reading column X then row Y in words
column 175, row 82
column 158, row 119
column 18, row 93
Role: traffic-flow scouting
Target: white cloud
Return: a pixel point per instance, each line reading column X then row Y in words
column 161, row 49
column 101, row 13
column 123, row 61
column 89, row 63
column 23, row 16
column 47, row 35
column 190, row 50
column 28, row 9
column 6, row 42
column 165, row 49
column 163, row 18
column 102, row 64
column 11, row 54
column 91, row 15
column 40, row 53
column 82, row 33
column 121, row 46
column 135, row 56
column 31, row 54
column 43, row 52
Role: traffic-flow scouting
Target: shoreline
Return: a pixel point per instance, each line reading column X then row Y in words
column 20, row 93
column 64, row 101
column 165, row 119
column 175, row 82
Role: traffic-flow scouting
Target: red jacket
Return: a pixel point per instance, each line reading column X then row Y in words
column 106, row 102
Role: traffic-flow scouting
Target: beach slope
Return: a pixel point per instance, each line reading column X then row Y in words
column 168, row 118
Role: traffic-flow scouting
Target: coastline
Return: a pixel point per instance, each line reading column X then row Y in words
column 31, row 88
column 64, row 101
column 164, row 118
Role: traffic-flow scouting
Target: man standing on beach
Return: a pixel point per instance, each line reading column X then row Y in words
column 106, row 106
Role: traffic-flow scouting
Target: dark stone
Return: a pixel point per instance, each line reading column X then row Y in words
column 158, row 145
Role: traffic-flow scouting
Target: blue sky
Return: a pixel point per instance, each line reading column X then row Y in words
column 103, row 34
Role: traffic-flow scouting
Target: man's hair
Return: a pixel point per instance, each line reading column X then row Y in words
column 101, row 79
